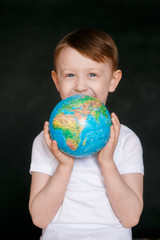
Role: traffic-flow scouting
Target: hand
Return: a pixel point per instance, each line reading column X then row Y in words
column 106, row 154
column 52, row 145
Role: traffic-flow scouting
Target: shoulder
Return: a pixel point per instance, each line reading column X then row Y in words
column 128, row 139
column 40, row 145
column 39, row 141
column 129, row 153
column 42, row 159
column 126, row 132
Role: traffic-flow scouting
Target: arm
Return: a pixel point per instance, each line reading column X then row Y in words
column 47, row 192
column 125, row 192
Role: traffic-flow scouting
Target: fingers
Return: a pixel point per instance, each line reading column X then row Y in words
column 116, row 126
column 47, row 135
column 52, row 144
column 115, row 120
column 108, row 151
column 112, row 135
column 115, row 130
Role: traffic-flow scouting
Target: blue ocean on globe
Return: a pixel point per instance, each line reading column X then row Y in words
column 81, row 125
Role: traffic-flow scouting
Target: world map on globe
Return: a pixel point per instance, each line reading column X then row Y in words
column 81, row 125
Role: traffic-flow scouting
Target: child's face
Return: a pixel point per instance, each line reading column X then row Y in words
column 77, row 74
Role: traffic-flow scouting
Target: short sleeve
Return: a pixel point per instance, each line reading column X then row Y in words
column 42, row 160
column 131, row 160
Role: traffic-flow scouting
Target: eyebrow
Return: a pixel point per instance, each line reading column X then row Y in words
column 87, row 69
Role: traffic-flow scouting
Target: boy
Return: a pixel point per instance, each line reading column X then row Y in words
column 101, row 196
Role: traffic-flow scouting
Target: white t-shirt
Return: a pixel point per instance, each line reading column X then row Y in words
column 86, row 212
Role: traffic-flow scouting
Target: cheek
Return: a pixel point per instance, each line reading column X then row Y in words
column 101, row 88
column 102, row 92
column 65, row 89
column 103, row 98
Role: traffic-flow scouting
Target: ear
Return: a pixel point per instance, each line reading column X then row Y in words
column 117, row 75
column 55, row 79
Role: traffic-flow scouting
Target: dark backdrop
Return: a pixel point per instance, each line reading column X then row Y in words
column 30, row 31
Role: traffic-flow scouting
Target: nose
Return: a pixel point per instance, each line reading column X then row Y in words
column 81, row 84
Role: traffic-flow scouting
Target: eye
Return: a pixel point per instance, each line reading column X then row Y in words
column 92, row 75
column 70, row 75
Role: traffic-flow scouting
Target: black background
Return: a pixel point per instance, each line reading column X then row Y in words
column 30, row 31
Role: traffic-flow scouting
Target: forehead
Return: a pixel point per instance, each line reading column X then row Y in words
column 69, row 57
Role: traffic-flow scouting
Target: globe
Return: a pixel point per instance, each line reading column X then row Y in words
column 81, row 125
